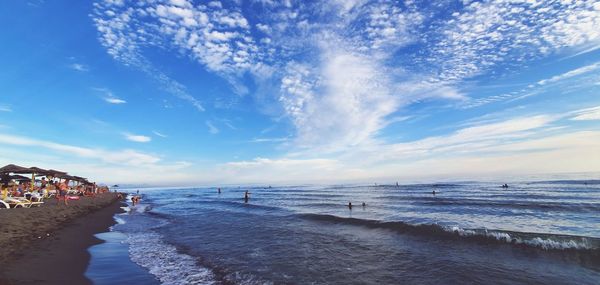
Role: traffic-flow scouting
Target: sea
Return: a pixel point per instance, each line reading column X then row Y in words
column 534, row 232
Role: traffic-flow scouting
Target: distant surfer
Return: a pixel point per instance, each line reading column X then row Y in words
column 350, row 205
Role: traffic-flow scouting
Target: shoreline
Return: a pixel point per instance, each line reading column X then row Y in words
column 49, row 244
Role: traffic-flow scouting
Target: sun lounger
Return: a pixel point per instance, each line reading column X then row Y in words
column 4, row 205
column 16, row 202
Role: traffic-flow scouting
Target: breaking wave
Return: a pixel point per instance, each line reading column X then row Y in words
column 536, row 240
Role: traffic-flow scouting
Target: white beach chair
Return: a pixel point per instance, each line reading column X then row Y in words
column 15, row 202
column 4, row 205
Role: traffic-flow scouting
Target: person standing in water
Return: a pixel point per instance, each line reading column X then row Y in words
column 246, row 196
column 219, row 190
column 350, row 205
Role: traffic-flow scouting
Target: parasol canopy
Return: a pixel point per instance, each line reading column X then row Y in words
column 14, row 169
column 19, row 177
column 54, row 172
column 37, row 170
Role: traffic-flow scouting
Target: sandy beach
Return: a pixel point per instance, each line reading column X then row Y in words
column 48, row 244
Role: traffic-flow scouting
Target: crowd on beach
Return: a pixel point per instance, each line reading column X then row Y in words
column 20, row 191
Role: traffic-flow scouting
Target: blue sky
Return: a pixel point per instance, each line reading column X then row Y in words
column 184, row 92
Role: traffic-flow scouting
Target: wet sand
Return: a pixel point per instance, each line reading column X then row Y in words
column 48, row 244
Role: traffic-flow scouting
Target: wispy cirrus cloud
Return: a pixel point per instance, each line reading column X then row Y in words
column 212, row 128
column 5, row 108
column 137, row 138
column 108, row 96
column 159, row 134
column 79, row 67
column 114, row 100
column 537, row 87
column 126, row 157
column 587, row 114
column 336, row 77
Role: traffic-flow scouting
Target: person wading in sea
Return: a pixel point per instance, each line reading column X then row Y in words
column 246, row 196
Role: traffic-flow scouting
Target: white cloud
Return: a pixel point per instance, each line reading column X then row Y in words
column 269, row 140
column 279, row 170
column 159, row 134
column 536, row 88
column 124, row 40
column 587, row 114
column 137, row 138
column 211, row 127
column 571, row 73
column 338, row 78
column 79, row 67
column 109, row 96
column 125, row 157
column 487, row 33
column 113, row 100
column 4, row 108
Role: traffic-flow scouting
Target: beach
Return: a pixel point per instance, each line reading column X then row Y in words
column 48, row 244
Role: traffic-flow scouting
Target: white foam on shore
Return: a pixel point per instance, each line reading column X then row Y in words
column 119, row 220
column 163, row 261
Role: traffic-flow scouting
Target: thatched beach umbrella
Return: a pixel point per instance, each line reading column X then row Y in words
column 53, row 173
column 36, row 170
column 79, row 179
column 11, row 168
column 19, row 177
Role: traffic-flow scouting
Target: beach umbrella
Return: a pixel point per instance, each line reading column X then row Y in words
column 36, row 170
column 53, row 173
column 56, row 172
column 14, row 169
column 19, row 177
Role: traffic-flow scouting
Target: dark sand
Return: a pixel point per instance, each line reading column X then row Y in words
column 48, row 244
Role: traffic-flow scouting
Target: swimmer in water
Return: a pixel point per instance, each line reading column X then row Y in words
column 433, row 192
column 364, row 205
column 350, row 205
column 246, row 197
column 219, row 190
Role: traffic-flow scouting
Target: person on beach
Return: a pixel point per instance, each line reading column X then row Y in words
column 350, row 205
column 62, row 192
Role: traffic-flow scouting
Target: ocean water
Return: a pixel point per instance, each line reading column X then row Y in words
column 544, row 232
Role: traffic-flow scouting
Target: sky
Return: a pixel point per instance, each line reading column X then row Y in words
column 182, row 92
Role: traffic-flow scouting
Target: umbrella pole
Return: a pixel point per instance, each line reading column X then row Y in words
column 32, row 181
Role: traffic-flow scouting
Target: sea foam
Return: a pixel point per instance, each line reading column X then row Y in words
column 163, row 261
